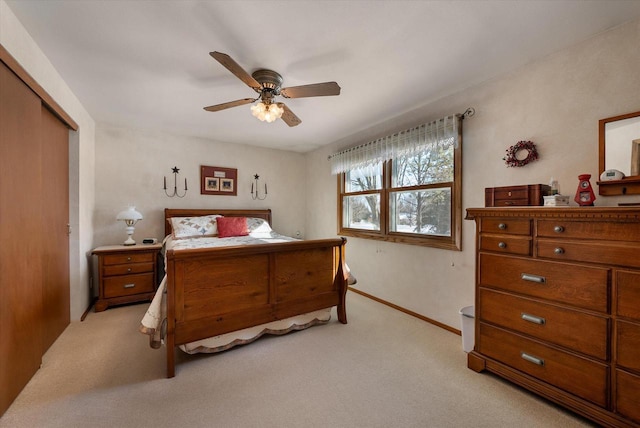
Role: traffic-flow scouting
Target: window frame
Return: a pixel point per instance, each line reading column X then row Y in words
column 453, row 242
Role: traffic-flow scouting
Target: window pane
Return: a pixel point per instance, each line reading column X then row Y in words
column 426, row 212
column 434, row 165
column 368, row 178
column 361, row 212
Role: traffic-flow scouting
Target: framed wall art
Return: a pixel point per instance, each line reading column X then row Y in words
column 215, row 180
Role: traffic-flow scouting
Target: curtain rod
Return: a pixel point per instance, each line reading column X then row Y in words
column 467, row 113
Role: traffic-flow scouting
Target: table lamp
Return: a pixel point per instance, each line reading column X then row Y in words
column 130, row 217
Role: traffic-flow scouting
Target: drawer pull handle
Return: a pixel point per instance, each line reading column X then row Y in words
column 558, row 251
column 502, row 226
column 128, row 269
column 502, row 245
column 532, row 318
column 128, row 259
column 532, row 359
column 129, row 285
column 558, row 229
column 533, row 278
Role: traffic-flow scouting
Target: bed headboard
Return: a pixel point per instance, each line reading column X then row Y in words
column 189, row 212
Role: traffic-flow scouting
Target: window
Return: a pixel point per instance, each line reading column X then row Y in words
column 404, row 188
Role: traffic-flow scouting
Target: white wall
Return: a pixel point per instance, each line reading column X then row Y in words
column 555, row 102
column 21, row 46
column 130, row 166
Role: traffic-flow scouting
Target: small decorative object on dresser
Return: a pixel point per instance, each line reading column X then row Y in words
column 584, row 194
column 558, row 305
column 509, row 196
column 556, row 201
column 126, row 274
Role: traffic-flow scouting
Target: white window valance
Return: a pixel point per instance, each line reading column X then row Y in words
column 442, row 132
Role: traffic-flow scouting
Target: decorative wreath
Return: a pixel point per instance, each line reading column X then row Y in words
column 511, row 158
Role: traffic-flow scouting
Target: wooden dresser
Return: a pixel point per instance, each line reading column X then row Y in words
column 126, row 274
column 558, row 305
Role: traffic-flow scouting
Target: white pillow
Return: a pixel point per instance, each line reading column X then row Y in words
column 193, row 227
column 258, row 228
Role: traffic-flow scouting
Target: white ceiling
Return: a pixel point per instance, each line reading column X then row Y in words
column 146, row 64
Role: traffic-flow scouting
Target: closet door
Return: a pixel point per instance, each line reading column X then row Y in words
column 21, row 236
column 54, row 137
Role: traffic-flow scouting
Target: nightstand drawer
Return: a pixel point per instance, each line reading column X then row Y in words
column 580, row 376
column 131, row 257
column 127, row 285
column 569, row 284
column 127, row 269
column 571, row 329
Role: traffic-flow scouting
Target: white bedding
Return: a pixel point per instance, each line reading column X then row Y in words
column 154, row 320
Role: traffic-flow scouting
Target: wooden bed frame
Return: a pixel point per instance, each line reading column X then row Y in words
column 214, row 291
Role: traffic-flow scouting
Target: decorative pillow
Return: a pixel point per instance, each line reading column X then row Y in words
column 232, row 226
column 190, row 227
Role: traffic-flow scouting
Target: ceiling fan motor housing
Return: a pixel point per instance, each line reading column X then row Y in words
column 269, row 79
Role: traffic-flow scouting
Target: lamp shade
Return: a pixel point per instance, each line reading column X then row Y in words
column 129, row 214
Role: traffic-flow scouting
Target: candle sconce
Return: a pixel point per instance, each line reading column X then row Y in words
column 255, row 193
column 175, row 170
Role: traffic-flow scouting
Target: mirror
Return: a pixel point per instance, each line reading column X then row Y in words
column 620, row 150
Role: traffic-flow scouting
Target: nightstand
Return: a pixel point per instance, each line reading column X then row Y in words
column 126, row 274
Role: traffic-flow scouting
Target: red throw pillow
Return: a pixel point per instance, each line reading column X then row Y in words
column 232, row 226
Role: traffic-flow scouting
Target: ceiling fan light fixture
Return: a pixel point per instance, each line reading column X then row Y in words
column 267, row 112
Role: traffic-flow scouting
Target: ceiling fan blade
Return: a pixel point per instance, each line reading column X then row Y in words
column 289, row 117
column 230, row 104
column 313, row 90
column 235, row 68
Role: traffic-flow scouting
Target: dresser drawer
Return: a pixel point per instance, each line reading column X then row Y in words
column 580, row 376
column 568, row 328
column 628, row 345
column 130, row 257
column 628, row 395
column 127, row 285
column 628, row 294
column 126, row 269
column 569, row 284
column 609, row 231
column 602, row 252
column 506, row 226
column 520, row 245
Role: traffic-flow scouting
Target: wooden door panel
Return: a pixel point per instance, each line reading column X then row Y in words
column 21, row 231
column 55, row 239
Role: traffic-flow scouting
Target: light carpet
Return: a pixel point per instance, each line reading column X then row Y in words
column 383, row 369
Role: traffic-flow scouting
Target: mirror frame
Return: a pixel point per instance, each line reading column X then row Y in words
column 626, row 186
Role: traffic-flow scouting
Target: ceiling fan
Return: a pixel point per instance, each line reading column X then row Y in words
column 268, row 84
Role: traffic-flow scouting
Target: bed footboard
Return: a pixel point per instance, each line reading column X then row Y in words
column 219, row 290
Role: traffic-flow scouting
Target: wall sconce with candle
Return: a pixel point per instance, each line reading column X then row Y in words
column 175, row 170
column 255, row 194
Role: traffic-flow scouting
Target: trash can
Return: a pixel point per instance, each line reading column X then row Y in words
column 468, row 328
